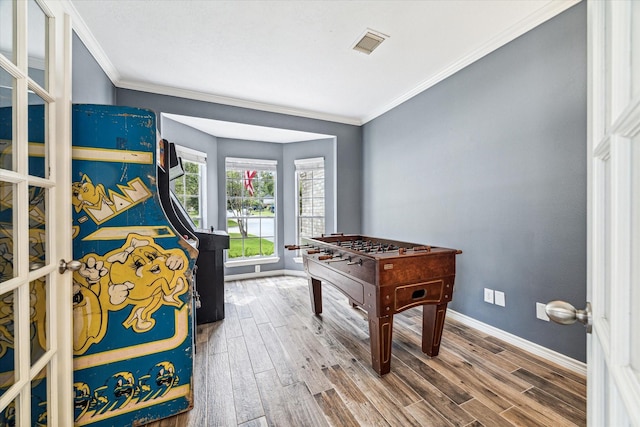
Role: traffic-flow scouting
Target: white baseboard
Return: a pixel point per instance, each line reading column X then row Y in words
column 244, row 276
column 551, row 355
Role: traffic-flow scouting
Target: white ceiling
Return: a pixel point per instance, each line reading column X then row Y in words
column 296, row 57
column 244, row 131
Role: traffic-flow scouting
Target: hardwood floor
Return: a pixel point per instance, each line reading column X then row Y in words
column 271, row 362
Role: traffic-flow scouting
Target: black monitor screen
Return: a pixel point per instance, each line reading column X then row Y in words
column 175, row 163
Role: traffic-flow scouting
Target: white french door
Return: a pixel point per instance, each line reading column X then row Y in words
column 35, row 300
column 613, row 397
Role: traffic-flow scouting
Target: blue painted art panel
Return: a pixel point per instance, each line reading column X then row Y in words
column 133, row 336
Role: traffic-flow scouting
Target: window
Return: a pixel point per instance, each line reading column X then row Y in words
column 310, row 185
column 191, row 188
column 251, row 208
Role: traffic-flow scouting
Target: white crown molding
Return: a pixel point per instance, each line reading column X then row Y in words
column 546, row 353
column 552, row 9
column 85, row 34
column 235, row 102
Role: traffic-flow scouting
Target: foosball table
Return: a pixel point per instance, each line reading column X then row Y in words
column 383, row 277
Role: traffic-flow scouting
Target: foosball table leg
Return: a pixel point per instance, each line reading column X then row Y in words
column 315, row 293
column 432, row 325
column 380, row 331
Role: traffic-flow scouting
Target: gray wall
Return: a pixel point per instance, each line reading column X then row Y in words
column 90, row 84
column 193, row 138
column 348, row 141
column 492, row 161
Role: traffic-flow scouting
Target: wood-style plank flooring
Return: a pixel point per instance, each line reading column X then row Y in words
column 271, row 362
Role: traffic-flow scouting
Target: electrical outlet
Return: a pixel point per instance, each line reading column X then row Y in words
column 540, row 311
column 488, row 295
column 257, row 268
column 498, row 297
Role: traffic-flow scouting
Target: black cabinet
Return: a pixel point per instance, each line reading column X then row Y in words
column 210, row 275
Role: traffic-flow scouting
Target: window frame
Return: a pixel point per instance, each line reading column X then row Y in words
column 260, row 165
column 303, row 165
column 199, row 158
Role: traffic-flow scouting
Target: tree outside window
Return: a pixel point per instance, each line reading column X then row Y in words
column 251, row 207
column 190, row 188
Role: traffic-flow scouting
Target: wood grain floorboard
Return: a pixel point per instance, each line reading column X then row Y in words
column 245, row 391
column 272, row 362
column 335, row 410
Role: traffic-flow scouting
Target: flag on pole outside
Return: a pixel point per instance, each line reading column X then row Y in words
column 248, row 177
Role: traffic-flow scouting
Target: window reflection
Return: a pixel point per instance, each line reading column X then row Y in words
column 37, row 135
column 7, row 354
column 6, row 29
column 39, row 399
column 37, row 37
column 7, row 83
column 6, row 231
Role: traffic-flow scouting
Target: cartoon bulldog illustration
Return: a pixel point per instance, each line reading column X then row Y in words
column 147, row 276
column 84, row 193
column 140, row 273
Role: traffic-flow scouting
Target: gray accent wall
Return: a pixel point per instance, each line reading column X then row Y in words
column 492, row 161
column 90, row 84
column 348, row 150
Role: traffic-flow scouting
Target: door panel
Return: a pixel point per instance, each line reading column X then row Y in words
column 613, row 397
column 635, row 251
column 32, row 114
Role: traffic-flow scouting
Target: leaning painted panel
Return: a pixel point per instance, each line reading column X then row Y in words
column 133, row 337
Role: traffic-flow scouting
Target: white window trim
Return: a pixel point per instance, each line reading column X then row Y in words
column 253, row 164
column 242, row 262
column 199, row 157
column 308, row 164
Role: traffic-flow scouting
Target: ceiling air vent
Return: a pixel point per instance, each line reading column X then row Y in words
column 369, row 41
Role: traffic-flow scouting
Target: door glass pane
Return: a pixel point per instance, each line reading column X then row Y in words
column 635, row 254
column 37, row 37
column 6, row 231
column 9, row 417
column 7, row 356
column 38, row 314
column 635, row 45
column 7, row 83
column 6, row 29
column 39, row 399
column 37, row 136
column 37, row 227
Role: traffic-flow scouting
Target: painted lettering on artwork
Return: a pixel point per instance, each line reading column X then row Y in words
column 101, row 204
column 140, row 274
column 122, row 390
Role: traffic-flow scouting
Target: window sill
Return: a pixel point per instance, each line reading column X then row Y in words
column 256, row 261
